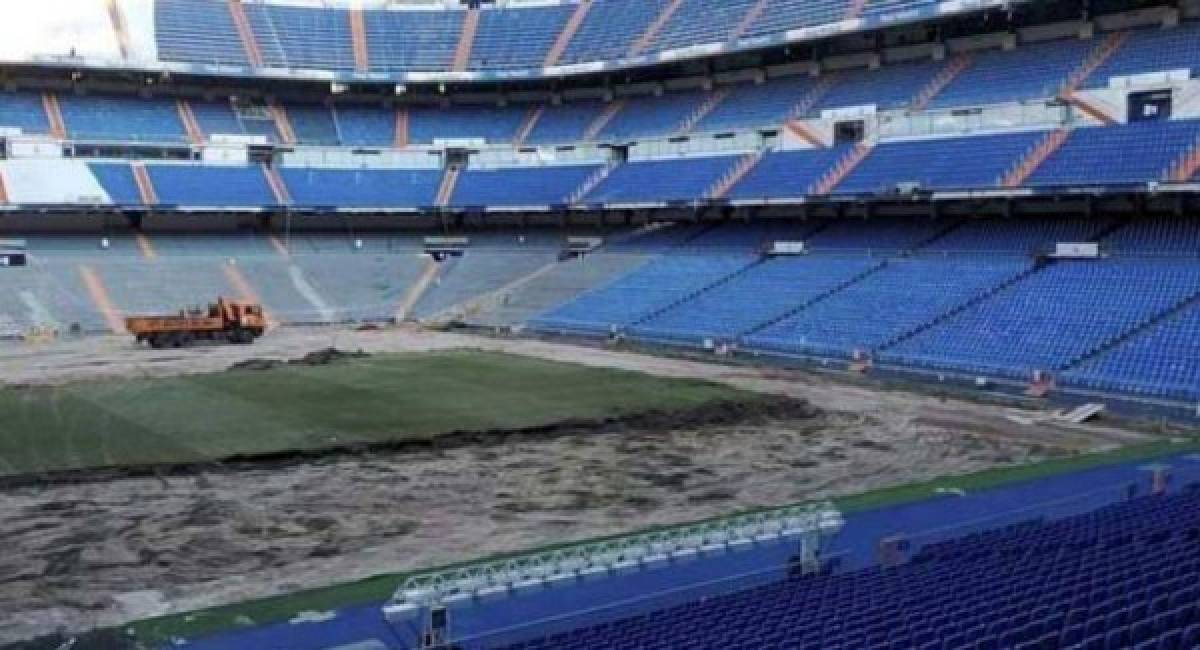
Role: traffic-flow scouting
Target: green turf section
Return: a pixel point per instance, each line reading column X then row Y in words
column 378, row 399
column 381, row 588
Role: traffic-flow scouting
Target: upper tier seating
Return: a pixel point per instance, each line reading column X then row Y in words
column 1123, row 576
column 1131, row 153
column 1031, row 71
column 121, row 117
column 400, row 41
column 702, row 21
column 1016, row 331
column 945, row 163
column 197, row 31
column 299, row 37
column 517, row 39
column 23, row 110
column 1152, row 50
column 676, row 179
column 548, row 185
column 782, row 15
column 362, row 188
column 610, row 28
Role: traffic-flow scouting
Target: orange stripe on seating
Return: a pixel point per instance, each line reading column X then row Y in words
column 100, row 298
column 146, row 246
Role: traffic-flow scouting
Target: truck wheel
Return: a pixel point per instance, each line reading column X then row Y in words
column 158, row 341
column 183, row 339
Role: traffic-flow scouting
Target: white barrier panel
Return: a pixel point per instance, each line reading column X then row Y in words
column 787, row 248
column 34, row 147
column 237, row 138
column 52, row 181
column 1077, row 249
column 225, row 155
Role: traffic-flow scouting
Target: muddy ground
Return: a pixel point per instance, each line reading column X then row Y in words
column 105, row 552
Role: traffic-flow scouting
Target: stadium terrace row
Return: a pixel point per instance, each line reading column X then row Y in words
column 306, row 37
column 1123, row 576
column 1125, row 155
column 973, row 297
column 1032, row 71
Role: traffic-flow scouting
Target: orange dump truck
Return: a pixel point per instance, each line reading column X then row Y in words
column 226, row 320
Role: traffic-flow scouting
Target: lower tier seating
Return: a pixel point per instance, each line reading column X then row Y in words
column 1124, row 576
column 970, row 297
column 1053, row 317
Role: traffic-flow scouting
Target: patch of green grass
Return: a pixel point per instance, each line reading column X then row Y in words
column 378, row 399
column 380, row 588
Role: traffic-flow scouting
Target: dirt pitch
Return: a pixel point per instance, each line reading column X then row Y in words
column 104, row 552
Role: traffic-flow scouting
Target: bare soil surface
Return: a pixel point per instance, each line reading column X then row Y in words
column 103, row 552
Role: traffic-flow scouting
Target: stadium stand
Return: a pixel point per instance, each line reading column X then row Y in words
column 1030, row 71
column 1121, row 576
column 771, row 102
column 300, row 37
column 887, row 88
column 490, row 123
column 652, row 287
column 412, row 40
column 314, row 124
column 517, row 39
column 122, row 118
column 24, row 111
column 359, row 126
column 216, row 185
column 199, row 32
column 547, row 185
column 610, row 28
column 565, row 123
column 117, row 179
column 947, row 163
column 651, row 115
column 1129, row 153
column 781, row 174
column 1151, row 50
column 865, row 315
column 362, row 188
column 1095, row 302
column 682, row 179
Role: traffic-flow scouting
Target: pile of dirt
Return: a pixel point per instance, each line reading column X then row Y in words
column 322, row 357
